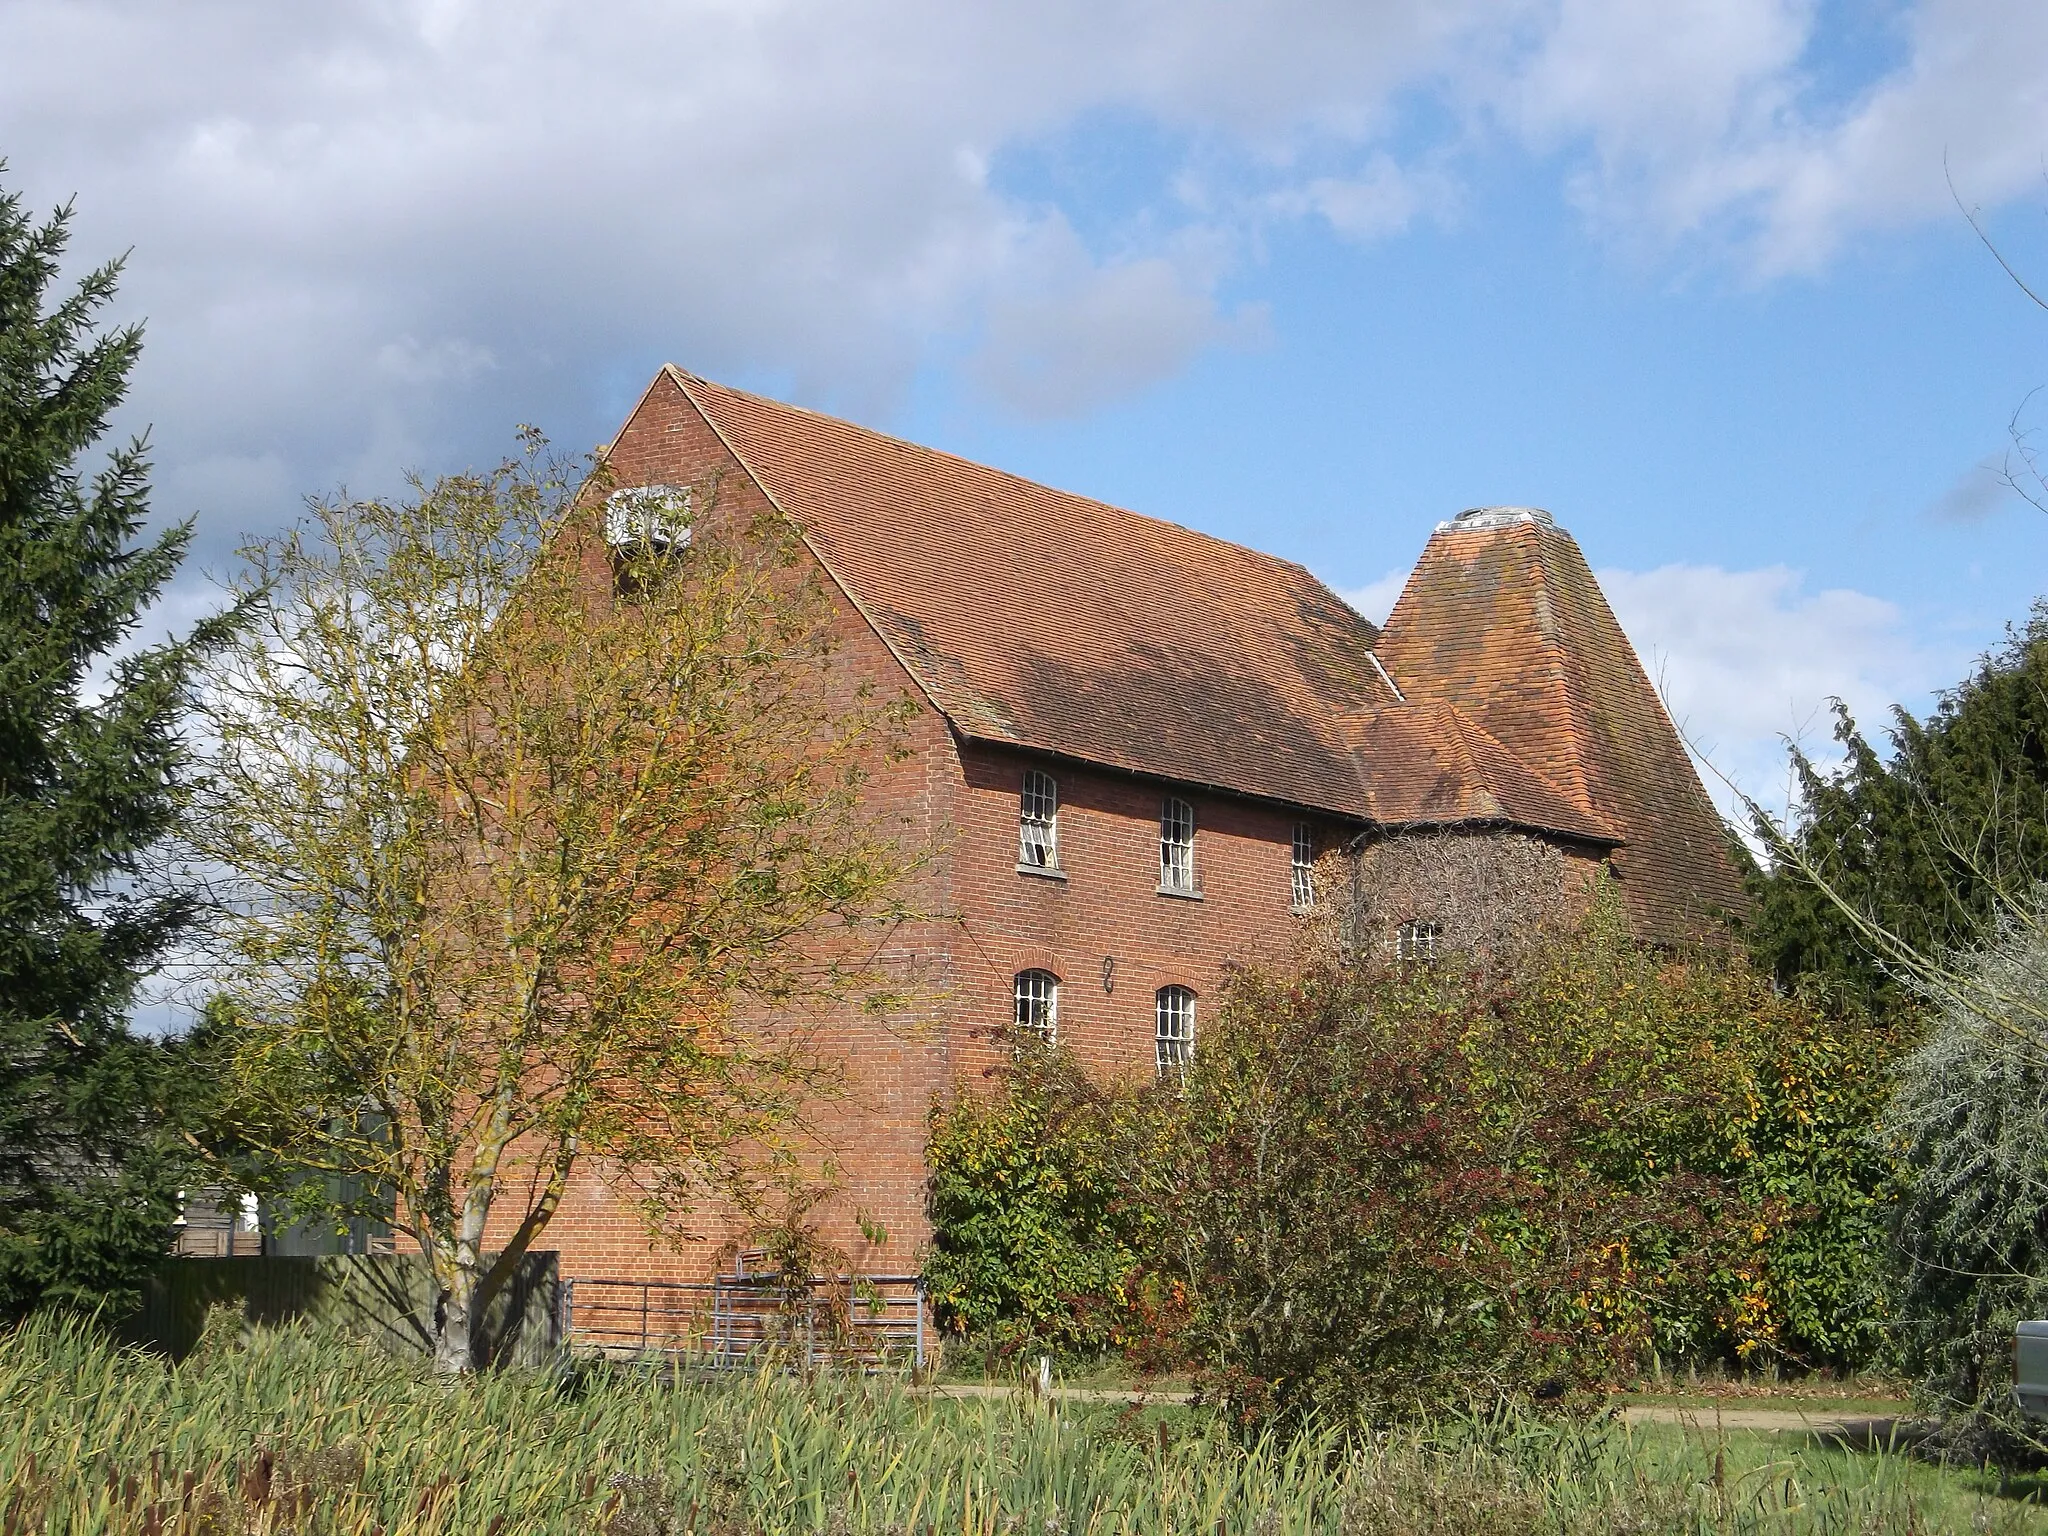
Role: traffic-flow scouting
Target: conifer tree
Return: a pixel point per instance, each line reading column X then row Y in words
column 91, row 771
column 1896, row 862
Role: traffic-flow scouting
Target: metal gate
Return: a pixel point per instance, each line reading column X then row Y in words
column 858, row 1322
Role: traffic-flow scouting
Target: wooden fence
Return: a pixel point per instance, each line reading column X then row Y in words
column 386, row 1298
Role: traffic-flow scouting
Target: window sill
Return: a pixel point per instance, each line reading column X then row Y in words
column 1181, row 892
column 1042, row 871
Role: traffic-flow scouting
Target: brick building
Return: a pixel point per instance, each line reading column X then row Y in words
column 1132, row 742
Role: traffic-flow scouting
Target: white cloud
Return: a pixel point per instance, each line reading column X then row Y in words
column 1380, row 199
column 1703, row 118
column 371, row 229
column 1376, row 599
column 1749, row 659
column 1085, row 333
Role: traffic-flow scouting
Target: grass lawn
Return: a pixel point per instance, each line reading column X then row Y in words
column 293, row 1432
column 1760, row 1465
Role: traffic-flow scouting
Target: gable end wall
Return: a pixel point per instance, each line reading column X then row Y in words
column 874, row 1133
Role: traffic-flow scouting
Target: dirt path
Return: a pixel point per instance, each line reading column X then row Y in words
column 1063, row 1394
column 1856, row 1427
column 1859, row 1428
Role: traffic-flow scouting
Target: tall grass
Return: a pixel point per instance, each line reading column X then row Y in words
column 293, row 1432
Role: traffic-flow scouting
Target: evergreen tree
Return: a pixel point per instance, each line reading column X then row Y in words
column 1931, row 846
column 90, row 785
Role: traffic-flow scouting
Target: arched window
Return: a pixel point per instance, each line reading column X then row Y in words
column 1416, row 943
column 1038, row 1003
column 1304, row 866
column 1038, row 822
column 1174, row 1008
column 1176, row 846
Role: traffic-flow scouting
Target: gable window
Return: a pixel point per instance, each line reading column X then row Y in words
column 1174, row 1008
column 644, row 524
column 1416, row 942
column 1177, row 846
column 1038, row 1004
column 647, row 519
column 1038, row 822
column 1304, row 866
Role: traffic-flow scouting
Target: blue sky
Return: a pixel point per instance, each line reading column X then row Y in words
column 1307, row 274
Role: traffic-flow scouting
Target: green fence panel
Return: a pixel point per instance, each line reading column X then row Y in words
column 386, row 1298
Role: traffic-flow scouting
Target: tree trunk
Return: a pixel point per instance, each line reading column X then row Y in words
column 454, row 1321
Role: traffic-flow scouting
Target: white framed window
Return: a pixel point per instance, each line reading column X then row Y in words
column 1037, row 995
column 1416, row 942
column 1176, row 845
column 1174, row 1009
column 1304, row 866
column 653, row 519
column 1038, row 821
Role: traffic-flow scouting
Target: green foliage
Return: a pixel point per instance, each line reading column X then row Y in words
column 1969, row 1124
column 1399, row 1189
column 288, row 1432
column 1385, row 1189
column 1928, row 844
column 1033, row 1237
column 1815, row 1086
column 1718, row 1075
column 90, row 784
column 520, row 830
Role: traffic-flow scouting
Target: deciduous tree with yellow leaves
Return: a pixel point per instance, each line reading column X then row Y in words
column 541, row 843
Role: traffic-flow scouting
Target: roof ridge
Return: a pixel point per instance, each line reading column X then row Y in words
column 1579, row 688
column 1550, row 626
column 1473, row 770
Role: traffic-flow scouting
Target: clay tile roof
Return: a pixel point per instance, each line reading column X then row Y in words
column 1431, row 764
column 1503, row 619
column 1047, row 620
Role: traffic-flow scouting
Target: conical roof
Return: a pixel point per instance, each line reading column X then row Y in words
column 1503, row 620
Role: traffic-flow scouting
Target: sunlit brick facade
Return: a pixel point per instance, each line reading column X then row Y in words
column 1135, row 663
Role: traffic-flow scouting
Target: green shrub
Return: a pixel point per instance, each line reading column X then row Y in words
column 1709, row 1070
column 1385, row 1188
column 1034, row 1234
column 1393, row 1192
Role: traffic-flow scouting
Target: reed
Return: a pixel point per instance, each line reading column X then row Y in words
column 290, row 1431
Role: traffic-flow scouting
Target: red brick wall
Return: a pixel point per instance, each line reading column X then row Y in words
column 1108, row 905
column 958, row 802
column 874, row 1131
